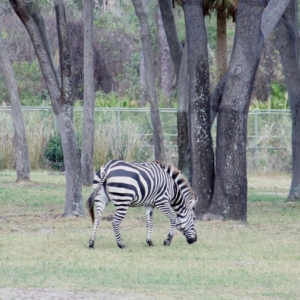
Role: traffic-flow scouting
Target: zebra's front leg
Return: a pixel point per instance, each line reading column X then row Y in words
column 149, row 221
column 165, row 207
column 168, row 240
column 101, row 201
column 118, row 218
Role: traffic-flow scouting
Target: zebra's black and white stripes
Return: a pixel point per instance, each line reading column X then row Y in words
column 152, row 184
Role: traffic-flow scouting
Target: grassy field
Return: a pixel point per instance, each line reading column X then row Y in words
column 40, row 249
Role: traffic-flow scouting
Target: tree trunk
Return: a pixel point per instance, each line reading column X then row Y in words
column 230, row 192
column 183, row 111
column 20, row 141
column 167, row 69
column 221, row 43
column 288, row 45
column 171, row 33
column 61, row 99
column 87, row 152
column 143, row 86
column 73, row 204
column 180, row 66
column 159, row 150
column 202, row 156
column 215, row 99
column 35, row 11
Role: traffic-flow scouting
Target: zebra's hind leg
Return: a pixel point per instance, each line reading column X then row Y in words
column 165, row 208
column 149, row 221
column 118, row 218
column 101, row 201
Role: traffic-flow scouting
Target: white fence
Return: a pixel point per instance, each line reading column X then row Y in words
column 130, row 133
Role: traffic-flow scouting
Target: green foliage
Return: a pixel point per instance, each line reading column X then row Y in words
column 30, row 86
column 113, row 100
column 122, row 17
column 278, row 99
column 131, row 76
column 53, row 152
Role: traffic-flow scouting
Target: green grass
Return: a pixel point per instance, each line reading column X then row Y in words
column 40, row 249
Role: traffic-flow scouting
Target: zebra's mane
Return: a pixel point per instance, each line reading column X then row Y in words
column 175, row 174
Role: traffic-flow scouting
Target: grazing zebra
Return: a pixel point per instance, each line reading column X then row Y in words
column 152, row 184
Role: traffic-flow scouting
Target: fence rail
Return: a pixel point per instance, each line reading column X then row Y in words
column 127, row 133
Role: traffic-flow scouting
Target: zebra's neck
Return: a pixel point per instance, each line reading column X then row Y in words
column 182, row 189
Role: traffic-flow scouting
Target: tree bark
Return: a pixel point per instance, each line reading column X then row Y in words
column 73, row 204
column 183, row 111
column 230, row 192
column 202, row 156
column 61, row 99
column 20, row 141
column 143, row 85
column 35, row 11
column 87, row 152
column 215, row 99
column 159, row 150
column 288, row 44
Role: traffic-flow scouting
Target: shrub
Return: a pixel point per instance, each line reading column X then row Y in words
column 53, row 153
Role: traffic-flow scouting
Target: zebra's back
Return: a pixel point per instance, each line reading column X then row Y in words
column 140, row 184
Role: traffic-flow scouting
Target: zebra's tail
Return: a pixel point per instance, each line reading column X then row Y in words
column 91, row 200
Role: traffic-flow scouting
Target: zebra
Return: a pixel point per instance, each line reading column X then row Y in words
column 151, row 184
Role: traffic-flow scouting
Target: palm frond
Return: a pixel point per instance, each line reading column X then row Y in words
column 210, row 6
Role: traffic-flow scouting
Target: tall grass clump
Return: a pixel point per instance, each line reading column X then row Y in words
column 116, row 140
column 6, row 142
column 38, row 125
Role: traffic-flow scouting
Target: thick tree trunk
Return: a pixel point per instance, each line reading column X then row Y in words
column 171, row 33
column 183, row 110
column 200, row 137
column 61, row 99
column 230, row 192
column 221, row 43
column 87, row 150
column 159, row 150
column 288, row 45
column 73, row 204
column 20, row 141
column 167, row 69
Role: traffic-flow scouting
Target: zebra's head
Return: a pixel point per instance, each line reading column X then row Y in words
column 186, row 222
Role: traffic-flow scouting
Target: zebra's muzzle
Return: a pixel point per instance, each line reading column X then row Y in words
column 191, row 240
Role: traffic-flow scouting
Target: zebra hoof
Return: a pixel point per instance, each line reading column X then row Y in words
column 91, row 246
column 121, row 246
column 149, row 242
column 167, row 243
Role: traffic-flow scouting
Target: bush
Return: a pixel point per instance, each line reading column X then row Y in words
column 53, row 153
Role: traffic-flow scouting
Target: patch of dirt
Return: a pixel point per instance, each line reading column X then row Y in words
column 24, row 183
column 48, row 294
